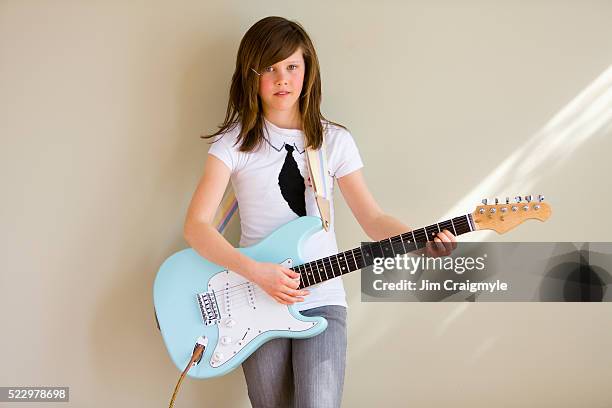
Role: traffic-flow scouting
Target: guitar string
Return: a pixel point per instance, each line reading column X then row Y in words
column 242, row 301
column 358, row 259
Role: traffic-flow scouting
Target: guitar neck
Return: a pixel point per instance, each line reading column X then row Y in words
column 342, row 263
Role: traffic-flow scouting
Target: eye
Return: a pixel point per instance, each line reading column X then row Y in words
column 295, row 67
column 268, row 69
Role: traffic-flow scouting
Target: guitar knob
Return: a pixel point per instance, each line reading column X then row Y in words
column 218, row 356
column 230, row 323
column 540, row 197
column 226, row 340
column 528, row 198
column 517, row 199
column 507, row 200
column 484, row 201
column 496, row 201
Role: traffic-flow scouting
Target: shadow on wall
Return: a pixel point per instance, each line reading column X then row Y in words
column 585, row 118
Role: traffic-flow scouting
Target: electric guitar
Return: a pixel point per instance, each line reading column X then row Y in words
column 199, row 302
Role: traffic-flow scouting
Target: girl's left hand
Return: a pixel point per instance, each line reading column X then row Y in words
column 443, row 244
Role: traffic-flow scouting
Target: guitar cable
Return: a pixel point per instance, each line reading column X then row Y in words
column 198, row 352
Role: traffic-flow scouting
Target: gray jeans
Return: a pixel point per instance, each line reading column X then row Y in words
column 300, row 373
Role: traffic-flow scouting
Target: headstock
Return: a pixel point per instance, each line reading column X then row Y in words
column 504, row 217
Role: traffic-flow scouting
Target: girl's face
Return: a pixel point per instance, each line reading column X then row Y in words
column 280, row 85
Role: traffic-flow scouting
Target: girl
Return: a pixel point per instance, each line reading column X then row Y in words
column 272, row 115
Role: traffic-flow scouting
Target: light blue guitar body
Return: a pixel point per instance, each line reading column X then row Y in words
column 197, row 299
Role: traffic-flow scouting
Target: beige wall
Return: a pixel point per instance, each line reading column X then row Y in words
column 101, row 106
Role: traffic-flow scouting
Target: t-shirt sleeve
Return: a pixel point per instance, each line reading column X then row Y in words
column 348, row 158
column 222, row 149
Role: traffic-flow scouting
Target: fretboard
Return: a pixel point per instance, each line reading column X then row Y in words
column 342, row 263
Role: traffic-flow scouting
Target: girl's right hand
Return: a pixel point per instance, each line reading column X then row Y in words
column 279, row 282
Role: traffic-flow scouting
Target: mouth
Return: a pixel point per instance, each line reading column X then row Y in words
column 283, row 93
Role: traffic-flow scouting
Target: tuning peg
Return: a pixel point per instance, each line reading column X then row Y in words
column 496, row 201
column 528, row 198
column 540, row 197
column 518, row 199
column 485, row 201
column 507, row 200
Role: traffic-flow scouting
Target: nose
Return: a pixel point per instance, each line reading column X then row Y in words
column 281, row 78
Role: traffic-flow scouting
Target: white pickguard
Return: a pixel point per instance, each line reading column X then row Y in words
column 247, row 311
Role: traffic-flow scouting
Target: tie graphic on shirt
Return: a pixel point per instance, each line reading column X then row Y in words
column 291, row 184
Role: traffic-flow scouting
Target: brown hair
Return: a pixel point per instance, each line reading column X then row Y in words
column 270, row 40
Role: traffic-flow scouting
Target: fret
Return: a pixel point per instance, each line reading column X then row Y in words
column 453, row 224
column 414, row 240
column 469, row 223
column 348, row 267
column 331, row 264
column 386, row 248
column 304, row 276
column 457, row 225
column 407, row 246
column 340, row 268
column 333, row 268
column 363, row 256
column 297, row 269
column 398, row 245
column 445, row 225
column 355, row 260
column 422, row 235
column 403, row 245
column 460, row 225
column 438, row 227
column 313, row 274
column 323, row 277
column 348, row 257
column 318, row 270
column 433, row 234
column 325, row 269
column 378, row 250
column 308, row 273
column 367, row 254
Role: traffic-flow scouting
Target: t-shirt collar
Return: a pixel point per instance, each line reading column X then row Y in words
column 278, row 136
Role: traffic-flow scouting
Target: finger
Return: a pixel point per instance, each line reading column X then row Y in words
column 430, row 249
column 284, row 299
column 279, row 300
column 295, row 293
column 287, row 298
column 291, row 283
column 439, row 245
column 448, row 245
column 451, row 238
column 290, row 273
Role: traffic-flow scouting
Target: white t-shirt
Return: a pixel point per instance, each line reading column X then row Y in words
column 263, row 207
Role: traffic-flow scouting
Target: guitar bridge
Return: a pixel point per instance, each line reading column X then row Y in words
column 208, row 308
